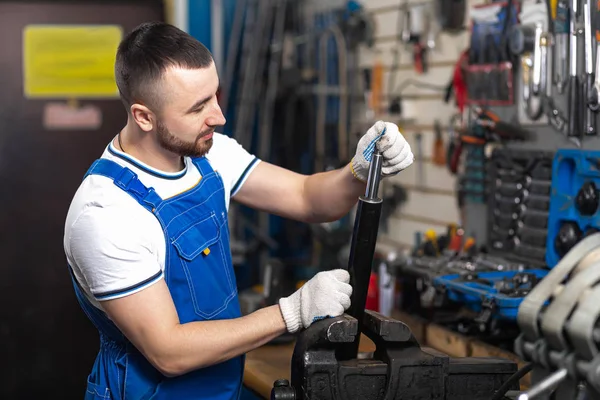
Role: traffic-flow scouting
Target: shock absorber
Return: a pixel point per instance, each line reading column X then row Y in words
column 362, row 249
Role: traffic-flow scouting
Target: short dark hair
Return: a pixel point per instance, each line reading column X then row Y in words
column 146, row 52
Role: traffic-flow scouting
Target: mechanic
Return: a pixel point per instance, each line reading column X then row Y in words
column 147, row 238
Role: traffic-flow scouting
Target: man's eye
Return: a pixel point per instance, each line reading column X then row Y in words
column 197, row 110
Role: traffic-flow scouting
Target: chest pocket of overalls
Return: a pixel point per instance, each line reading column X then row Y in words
column 203, row 258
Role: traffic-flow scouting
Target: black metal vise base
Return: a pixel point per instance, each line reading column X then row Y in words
column 398, row 370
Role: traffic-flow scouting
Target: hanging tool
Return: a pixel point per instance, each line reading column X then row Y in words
column 546, row 67
column 419, row 159
column 590, row 115
column 561, row 44
column 575, row 92
column 594, row 93
column 537, row 83
column 405, row 35
column 531, row 104
column 528, row 41
column 415, row 31
column 488, row 119
column 490, row 128
column 439, row 154
column 593, row 90
column 454, row 144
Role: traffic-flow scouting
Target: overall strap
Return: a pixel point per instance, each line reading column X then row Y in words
column 203, row 165
column 127, row 180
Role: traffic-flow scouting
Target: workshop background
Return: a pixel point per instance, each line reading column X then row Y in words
column 498, row 100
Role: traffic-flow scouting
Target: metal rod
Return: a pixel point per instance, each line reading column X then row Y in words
column 546, row 385
column 374, row 176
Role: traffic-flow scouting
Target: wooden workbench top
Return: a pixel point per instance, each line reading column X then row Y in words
column 271, row 362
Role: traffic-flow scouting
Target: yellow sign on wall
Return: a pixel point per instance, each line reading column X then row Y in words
column 73, row 61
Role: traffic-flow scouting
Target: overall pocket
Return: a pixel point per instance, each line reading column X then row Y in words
column 94, row 391
column 204, row 263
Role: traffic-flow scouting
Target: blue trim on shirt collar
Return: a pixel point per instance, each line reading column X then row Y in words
column 137, row 164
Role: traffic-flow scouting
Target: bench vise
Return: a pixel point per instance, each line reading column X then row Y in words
column 326, row 364
column 399, row 369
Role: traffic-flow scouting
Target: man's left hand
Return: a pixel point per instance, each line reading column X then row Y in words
column 394, row 148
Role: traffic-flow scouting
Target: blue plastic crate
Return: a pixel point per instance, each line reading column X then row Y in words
column 571, row 169
column 474, row 293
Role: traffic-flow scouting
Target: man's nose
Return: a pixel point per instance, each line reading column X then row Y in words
column 216, row 118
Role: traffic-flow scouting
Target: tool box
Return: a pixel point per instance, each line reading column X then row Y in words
column 496, row 294
column 519, row 201
column 419, row 273
column 518, row 196
column 573, row 202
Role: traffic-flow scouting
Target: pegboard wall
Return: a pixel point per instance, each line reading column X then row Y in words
column 543, row 138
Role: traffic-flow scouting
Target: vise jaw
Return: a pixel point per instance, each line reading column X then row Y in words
column 399, row 369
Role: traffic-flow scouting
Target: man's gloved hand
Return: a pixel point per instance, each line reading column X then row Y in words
column 396, row 152
column 327, row 294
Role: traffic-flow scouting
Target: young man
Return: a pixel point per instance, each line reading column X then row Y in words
column 147, row 239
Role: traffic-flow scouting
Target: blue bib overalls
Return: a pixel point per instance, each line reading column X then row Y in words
column 200, row 277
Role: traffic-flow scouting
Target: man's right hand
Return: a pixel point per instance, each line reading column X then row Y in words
column 327, row 294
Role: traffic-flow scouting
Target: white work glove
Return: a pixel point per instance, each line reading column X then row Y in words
column 327, row 294
column 395, row 150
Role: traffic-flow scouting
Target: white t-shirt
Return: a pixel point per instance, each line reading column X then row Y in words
column 114, row 245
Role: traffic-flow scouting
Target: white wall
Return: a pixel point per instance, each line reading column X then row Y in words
column 431, row 203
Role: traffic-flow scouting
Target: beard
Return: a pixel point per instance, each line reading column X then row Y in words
column 170, row 142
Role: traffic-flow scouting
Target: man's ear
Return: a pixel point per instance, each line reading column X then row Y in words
column 142, row 116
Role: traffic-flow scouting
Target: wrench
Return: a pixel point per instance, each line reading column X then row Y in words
column 561, row 35
column 590, row 115
column 594, row 92
column 574, row 82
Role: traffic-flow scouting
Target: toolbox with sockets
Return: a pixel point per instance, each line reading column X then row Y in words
column 419, row 273
column 518, row 197
column 519, row 202
column 574, row 210
column 497, row 295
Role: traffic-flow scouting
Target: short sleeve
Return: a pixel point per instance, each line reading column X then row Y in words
column 231, row 161
column 113, row 252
